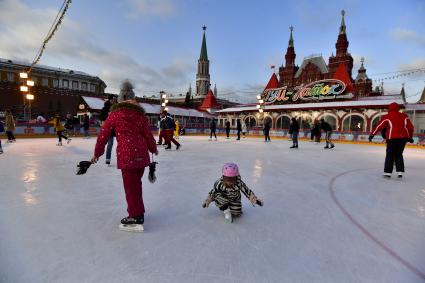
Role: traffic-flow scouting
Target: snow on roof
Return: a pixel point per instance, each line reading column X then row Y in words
column 317, row 60
column 319, row 105
column 28, row 64
column 415, row 106
column 95, row 103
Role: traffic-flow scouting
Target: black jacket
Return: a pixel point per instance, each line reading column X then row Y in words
column 239, row 125
column 213, row 125
column 105, row 111
column 227, row 125
column 294, row 127
column 325, row 126
column 267, row 127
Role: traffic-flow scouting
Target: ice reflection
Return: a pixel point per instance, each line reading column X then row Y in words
column 29, row 178
column 258, row 170
column 421, row 204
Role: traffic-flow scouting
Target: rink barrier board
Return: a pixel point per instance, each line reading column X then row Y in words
column 44, row 131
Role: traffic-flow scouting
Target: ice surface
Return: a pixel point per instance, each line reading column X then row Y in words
column 56, row 226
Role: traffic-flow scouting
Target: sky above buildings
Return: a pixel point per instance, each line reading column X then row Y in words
column 156, row 43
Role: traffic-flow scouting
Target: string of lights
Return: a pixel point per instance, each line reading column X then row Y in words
column 56, row 23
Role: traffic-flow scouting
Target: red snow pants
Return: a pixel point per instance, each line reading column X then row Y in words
column 132, row 179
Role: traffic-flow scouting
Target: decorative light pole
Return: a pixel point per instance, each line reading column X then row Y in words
column 30, row 98
column 164, row 100
column 24, row 88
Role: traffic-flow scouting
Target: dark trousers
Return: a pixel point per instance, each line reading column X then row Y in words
column 227, row 132
column 169, row 137
column 395, row 148
column 267, row 135
column 213, row 133
column 132, row 180
column 295, row 138
column 10, row 135
column 239, row 135
column 61, row 135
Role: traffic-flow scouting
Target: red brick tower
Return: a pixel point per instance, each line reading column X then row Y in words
column 342, row 56
column 286, row 74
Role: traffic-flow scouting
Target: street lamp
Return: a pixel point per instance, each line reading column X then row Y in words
column 30, row 97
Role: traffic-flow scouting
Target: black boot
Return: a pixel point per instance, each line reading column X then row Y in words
column 133, row 220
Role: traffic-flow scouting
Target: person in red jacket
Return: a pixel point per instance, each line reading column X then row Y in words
column 398, row 131
column 135, row 140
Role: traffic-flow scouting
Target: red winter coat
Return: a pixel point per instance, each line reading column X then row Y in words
column 397, row 124
column 133, row 134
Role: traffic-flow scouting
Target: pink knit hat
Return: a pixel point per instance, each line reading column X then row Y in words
column 230, row 170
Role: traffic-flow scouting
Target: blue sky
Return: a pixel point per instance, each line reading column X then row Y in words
column 156, row 43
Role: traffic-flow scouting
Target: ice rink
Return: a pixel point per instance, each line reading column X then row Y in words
column 328, row 216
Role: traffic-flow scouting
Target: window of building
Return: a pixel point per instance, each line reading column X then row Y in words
column 283, row 122
column 84, row 86
column 10, row 77
column 55, row 83
column 354, row 123
column 65, row 84
column 250, row 122
column 35, row 80
column 92, row 87
column 45, row 82
column 75, row 85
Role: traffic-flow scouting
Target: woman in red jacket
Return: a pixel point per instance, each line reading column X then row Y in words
column 135, row 141
column 398, row 131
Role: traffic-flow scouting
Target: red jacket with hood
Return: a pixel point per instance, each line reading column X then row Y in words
column 397, row 124
column 133, row 134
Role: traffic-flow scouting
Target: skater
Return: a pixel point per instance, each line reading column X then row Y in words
column 213, row 128
column 1, row 131
column 267, row 131
column 135, row 141
column 227, row 193
column 86, row 126
column 10, row 126
column 161, row 128
column 228, row 129
column 169, row 127
column 69, row 124
column 315, row 132
column 398, row 130
column 294, row 129
column 244, row 129
column 328, row 133
column 104, row 113
column 238, row 129
column 59, row 128
column 176, row 131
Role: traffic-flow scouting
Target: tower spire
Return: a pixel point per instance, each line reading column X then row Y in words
column 291, row 39
column 203, row 74
column 342, row 28
column 204, row 54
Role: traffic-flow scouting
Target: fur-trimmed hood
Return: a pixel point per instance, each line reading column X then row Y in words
column 127, row 105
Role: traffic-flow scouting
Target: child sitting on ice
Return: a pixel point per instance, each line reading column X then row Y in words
column 227, row 193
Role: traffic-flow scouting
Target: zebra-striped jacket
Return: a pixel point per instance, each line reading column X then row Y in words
column 231, row 193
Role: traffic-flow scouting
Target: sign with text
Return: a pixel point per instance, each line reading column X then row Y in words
column 318, row 90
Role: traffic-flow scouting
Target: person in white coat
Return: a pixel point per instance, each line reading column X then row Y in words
column 244, row 129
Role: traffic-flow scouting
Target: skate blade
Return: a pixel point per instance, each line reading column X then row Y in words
column 132, row 227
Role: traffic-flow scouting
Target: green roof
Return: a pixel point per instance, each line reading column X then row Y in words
column 204, row 54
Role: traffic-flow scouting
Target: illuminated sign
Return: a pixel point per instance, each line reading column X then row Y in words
column 318, row 90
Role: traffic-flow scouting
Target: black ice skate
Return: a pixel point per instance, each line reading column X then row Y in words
column 132, row 224
column 332, row 146
column 386, row 175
